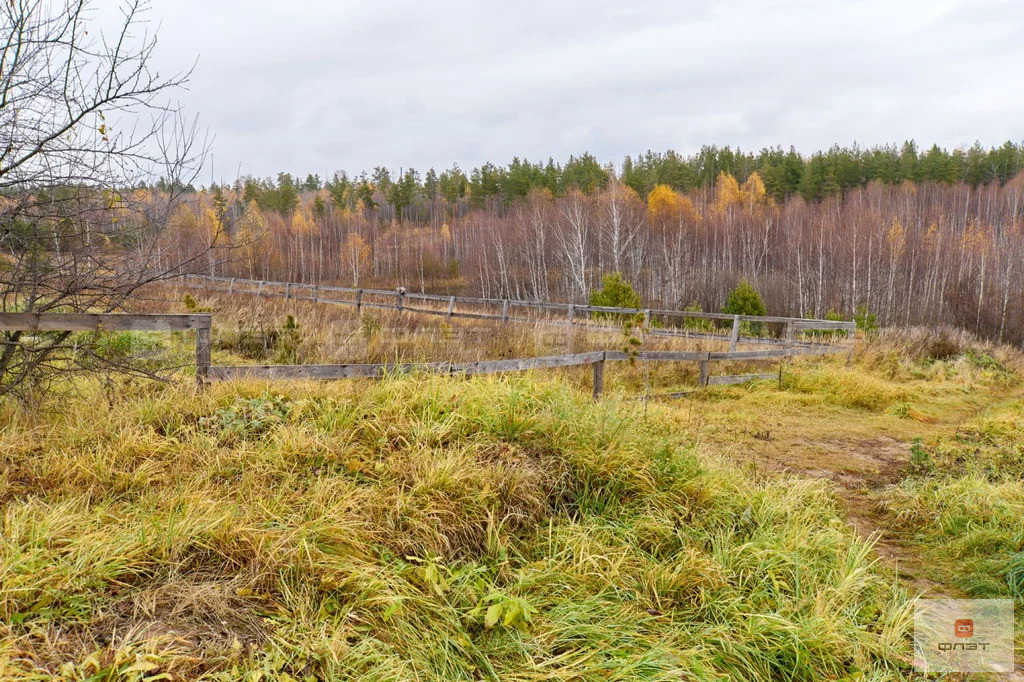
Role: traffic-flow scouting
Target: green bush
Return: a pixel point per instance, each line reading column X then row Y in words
column 744, row 300
column 831, row 316
column 866, row 321
column 697, row 324
column 615, row 292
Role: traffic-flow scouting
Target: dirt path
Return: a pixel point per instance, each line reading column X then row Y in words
column 869, row 466
column 861, row 452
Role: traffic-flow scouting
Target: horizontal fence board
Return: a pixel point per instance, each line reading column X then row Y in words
column 475, row 316
column 298, row 372
column 339, row 290
column 426, row 297
column 670, row 355
column 335, row 301
column 739, row 379
column 478, row 301
column 658, row 355
column 100, row 321
column 605, row 309
column 541, row 305
column 695, row 315
column 801, row 325
column 686, row 334
column 543, row 362
column 426, row 311
column 391, row 293
column 752, row 354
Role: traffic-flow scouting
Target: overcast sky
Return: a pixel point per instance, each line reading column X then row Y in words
column 321, row 85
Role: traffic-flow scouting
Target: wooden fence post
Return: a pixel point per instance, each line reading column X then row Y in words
column 451, row 306
column 316, row 293
column 287, row 291
column 203, row 342
column 401, row 298
column 704, row 373
column 231, row 287
column 734, row 338
column 359, row 301
column 570, row 337
column 647, row 318
column 789, row 334
column 504, row 310
column 259, row 289
column 599, row 377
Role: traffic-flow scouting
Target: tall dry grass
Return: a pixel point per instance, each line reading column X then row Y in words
column 417, row 528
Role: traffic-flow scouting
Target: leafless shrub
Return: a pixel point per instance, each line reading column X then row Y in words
column 86, row 131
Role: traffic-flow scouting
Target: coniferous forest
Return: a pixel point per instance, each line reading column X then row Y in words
column 910, row 236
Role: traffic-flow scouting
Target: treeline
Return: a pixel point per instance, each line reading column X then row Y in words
column 408, row 195
column 913, row 252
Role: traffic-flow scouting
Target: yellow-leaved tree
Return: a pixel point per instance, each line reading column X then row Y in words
column 665, row 206
column 727, row 193
column 896, row 238
column 356, row 253
column 754, row 196
column 302, row 221
column 249, row 237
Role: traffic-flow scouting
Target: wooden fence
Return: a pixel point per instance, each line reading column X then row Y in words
column 118, row 322
column 205, row 371
column 595, row 358
column 574, row 314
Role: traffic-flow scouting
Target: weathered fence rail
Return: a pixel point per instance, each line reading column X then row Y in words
column 113, row 322
column 575, row 314
column 382, row 369
column 201, row 323
column 595, row 358
column 206, row 371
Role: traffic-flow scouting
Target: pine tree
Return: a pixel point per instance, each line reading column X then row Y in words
column 744, row 300
column 615, row 292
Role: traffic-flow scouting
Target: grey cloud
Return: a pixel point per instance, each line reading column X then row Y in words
column 317, row 86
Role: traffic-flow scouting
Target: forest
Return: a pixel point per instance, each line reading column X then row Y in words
column 891, row 233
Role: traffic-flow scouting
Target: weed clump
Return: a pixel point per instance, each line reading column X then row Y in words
column 246, row 418
column 193, row 305
column 253, row 339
